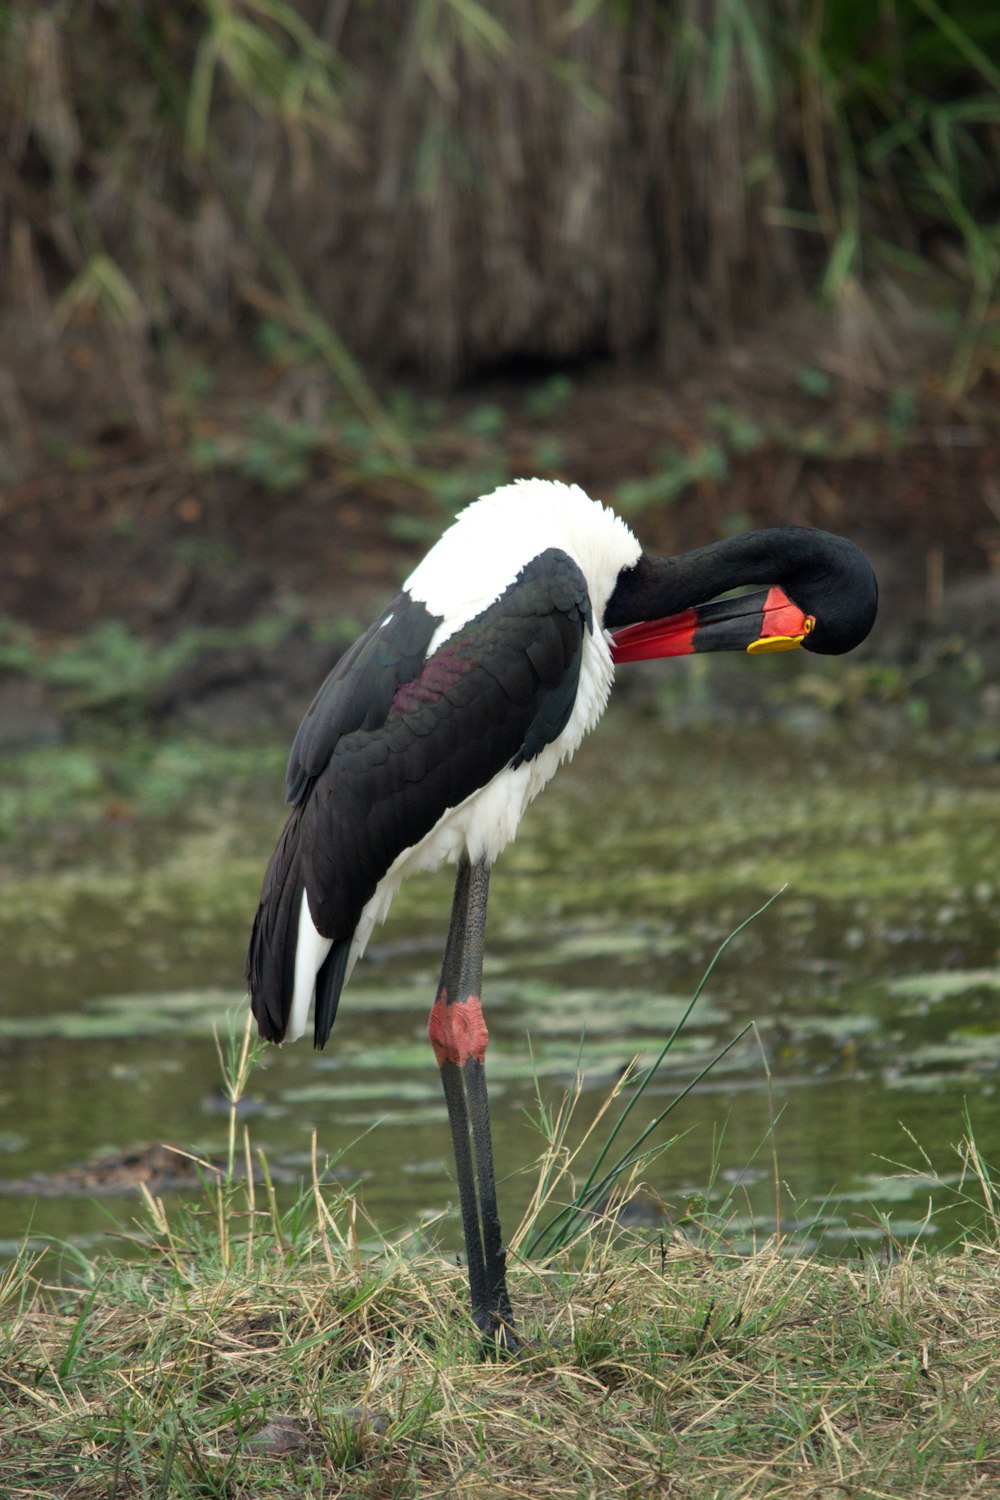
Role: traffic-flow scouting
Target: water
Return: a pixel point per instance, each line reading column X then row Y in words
column 873, row 983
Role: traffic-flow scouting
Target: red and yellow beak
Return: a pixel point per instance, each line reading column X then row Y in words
column 763, row 621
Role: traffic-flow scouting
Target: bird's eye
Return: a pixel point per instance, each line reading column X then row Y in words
column 808, row 624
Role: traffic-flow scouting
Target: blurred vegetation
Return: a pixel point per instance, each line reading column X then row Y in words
column 445, row 187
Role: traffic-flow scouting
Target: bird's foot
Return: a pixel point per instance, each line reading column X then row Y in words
column 499, row 1338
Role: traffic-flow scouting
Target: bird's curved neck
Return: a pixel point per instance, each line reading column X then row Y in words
column 666, row 585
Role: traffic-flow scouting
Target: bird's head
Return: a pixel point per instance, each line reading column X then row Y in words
column 821, row 595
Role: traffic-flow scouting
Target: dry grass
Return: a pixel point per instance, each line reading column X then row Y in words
column 762, row 1377
column 243, row 1352
column 457, row 184
column 246, row 1355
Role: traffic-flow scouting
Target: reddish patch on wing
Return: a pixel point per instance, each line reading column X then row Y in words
column 782, row 617
column 671, row 636
column 458, row 1031
column 439, row 673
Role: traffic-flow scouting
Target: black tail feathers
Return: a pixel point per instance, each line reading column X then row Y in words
column 270, row 965
column 329, row 983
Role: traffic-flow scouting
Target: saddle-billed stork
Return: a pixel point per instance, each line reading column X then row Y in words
column 436, row 729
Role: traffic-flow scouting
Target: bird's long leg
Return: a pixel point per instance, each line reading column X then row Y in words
column 440, row 1029
column 459, row 1036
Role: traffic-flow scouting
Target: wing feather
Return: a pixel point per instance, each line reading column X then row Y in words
column 393, row 740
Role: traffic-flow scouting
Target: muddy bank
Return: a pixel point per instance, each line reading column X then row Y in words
column 207, row 574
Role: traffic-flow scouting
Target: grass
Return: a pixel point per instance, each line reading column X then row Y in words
column 241, row 1354
column 241, row 1351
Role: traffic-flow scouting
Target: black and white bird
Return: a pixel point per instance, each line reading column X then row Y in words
column 433, row 733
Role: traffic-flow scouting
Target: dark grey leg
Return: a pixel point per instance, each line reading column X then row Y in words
column 459, row 1037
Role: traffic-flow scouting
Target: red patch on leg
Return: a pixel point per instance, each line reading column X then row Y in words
column 458, row 1031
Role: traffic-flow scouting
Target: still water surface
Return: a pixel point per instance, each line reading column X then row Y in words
column 873, row 980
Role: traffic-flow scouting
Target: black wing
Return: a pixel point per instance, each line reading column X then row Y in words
column 391, row 742
column 358, row 692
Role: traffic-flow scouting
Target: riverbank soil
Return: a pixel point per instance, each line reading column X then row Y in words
column 231, row 499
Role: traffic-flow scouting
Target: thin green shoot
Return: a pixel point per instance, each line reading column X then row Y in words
column 557, row 1234
column 552, row 1233
column 236, row 1064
